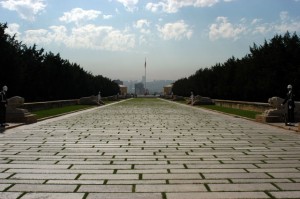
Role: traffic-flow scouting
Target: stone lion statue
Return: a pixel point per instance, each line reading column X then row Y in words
column 275, row 102
column 277, row 109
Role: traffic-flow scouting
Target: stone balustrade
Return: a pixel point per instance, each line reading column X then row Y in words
column 243, row 105
column 36, row 106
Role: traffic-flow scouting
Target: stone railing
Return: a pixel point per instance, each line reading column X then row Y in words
column 250, row 106
column 36, row 106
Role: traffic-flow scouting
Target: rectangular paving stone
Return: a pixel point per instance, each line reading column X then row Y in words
column 286, row 175
column 43, row 188
column 198, row 181
column 286, row 194
column 170, row 188
column 273, row 170
column 242, row 187
column 166, row 166
column 44, row 176
column 53, row 195
column 57, row 171
column 124, row 196
column 171, row 176
column 109, row 176
column 260, row 180
column 221, row 166
column 218, row 195
column 95, row 167
column 139, row 162
column 33, row 166
column 136, row 182
column 17, row 181
column 207, row 170
column 10, row 195
column 77, row 182
column 289, row 186
column 105, row 188
column 44, row 162
column 4, row 186
column 4, row 175
column 287, row 163
column 82, row 162
column 236, row 175
column 138, row 171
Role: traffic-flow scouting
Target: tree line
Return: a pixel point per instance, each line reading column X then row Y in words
column 263, row 73
column 40, row 76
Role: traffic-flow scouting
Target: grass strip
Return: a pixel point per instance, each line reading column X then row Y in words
column 239, row 112
column 61, row 110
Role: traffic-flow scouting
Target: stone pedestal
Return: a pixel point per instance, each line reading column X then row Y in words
column 20, row 116
column 17, row 115
column 268, row 119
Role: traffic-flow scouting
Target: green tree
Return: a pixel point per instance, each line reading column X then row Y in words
column 38, row 76
column 263, row 73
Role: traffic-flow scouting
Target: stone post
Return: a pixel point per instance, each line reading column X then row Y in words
column 192, row 98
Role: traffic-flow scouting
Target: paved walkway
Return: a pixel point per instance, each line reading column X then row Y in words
column 151, row 149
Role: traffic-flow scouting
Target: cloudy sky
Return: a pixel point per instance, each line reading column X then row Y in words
column 113, row 37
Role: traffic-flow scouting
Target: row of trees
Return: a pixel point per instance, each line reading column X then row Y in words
column 264, row 72
column 39, row 76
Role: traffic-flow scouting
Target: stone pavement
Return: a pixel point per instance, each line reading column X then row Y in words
column 149, row 148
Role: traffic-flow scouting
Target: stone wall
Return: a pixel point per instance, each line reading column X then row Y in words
column 36, row 106
column 249, row 106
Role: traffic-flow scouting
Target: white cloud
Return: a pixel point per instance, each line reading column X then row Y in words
column 27, row 9
column 224, row 29
column 255, row 21
column 13, row 29
column 115, row 40
column 142, row 23
column 284, row 16
column 142, row 40
column 261, row 29
column 40, row 36
column 286, row 23
column 58, row 33
column 291, row 26
column 84, row 37
column 177, row 31
column 143, row 26
column 107, row 16
column 172, row 6
column 130, row 5
column 78, row 15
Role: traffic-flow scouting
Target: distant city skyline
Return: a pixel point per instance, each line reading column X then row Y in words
column 113, row 37
column 155, row 86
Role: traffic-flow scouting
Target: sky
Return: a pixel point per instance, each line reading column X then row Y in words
column 176, row 37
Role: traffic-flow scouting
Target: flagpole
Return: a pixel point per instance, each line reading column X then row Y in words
column 145, row 77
